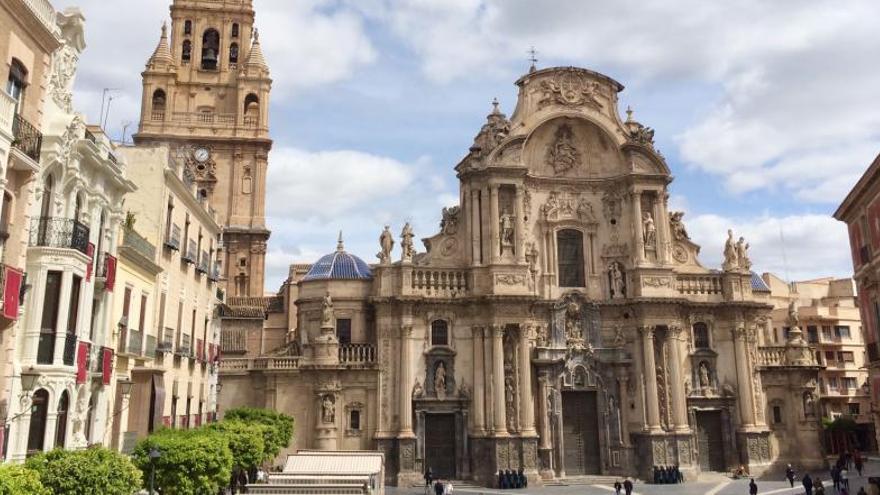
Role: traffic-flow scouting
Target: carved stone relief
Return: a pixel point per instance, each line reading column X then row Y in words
column 562, row 154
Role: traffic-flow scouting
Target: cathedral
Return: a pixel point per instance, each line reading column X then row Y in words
column 559, row 321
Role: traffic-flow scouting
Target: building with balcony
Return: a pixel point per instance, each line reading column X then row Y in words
column 168, row 329
column 861, row 213
column 31, row 37
column 559, row 322
column 832, row 326
column 70, row 270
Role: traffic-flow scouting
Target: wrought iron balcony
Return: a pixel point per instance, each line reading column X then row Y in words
column 26, row 138
column 138, row 243
column 135, row 342
column 191, row 254
column 173, row 240
column 59, row 233
column 69, row 349
column 203, row 263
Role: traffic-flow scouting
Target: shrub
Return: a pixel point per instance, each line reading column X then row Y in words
column 192, row 462
column 280, row 426
column 95, row 470
column 246, row 441
column 19, row 480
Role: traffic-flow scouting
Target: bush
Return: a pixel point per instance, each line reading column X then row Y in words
column 192, row 462
column 246, row 441
column 279, row 429
column 19, row 480
column 95, row 470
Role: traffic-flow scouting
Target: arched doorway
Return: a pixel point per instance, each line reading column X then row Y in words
column 37, row 431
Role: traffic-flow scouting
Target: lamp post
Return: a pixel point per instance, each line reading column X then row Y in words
column 28, row 379
column 155, row 454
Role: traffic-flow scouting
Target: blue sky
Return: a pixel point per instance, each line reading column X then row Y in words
column 767, row 112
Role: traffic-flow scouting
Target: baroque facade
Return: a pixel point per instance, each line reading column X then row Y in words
column 559, row 322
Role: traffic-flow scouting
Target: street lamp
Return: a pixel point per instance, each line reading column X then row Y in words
column 125, row 386
column 28, row 379
column 154, row 454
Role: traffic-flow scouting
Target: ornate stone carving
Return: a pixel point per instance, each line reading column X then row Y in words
column 616, row 280
column 386, row 243
column 809, row 405
column 611, row 204
column 585, row 211
column 571, row 90
column 657, row 282
column 449, row 222
column 406, row 243
column 440, row 380
column 510, row 279
column 677, row 226
column 328, row 408
column 679, row 253
column 562, row 154
column 418, row 391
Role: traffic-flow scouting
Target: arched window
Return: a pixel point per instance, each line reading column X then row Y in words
column 233, row 53
column 37, row 431
column 187, row 28
column 439, row 332
column 159, row 100
column 570, row 256
column 251, row 109
column 16, row 83
column 235, row 30
column 210, row 49
column 701, row 336
column 186, row 53
column 61, row 419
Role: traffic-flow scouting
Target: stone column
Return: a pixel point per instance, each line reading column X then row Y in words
column 743, row 378
column 479, row 386
column 652, row 402
column 500, row 424
column 636, row 197
column 475, row 226
column 406, row 385
column 623, row 400
column 63, row 313
column 519, row 225
column 495, row 238
column 664, row 246
column 526, row 400
column 545, row 446
column 676, row 380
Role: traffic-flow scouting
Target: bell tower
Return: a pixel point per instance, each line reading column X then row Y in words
column 206, row 94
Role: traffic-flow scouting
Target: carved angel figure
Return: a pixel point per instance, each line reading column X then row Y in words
column 731, row 260
column 386, row 242
column 678, row 230
column 449, row 222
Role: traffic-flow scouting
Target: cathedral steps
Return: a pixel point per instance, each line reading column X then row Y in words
column 584, row 480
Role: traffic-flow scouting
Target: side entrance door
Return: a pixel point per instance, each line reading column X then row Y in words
column 580, row 430
column 710, row 441
column 440, row 444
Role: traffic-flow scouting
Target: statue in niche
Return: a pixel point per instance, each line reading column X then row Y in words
column 704, row 374
column 687, row 386
column 809, row 404
column 572, row 321
column 506, row 229
column 614, row 416
column 406, row 242
column 440, row 380
column 742, row 254
column 327, row 311
column 562, row 154
column 328, row 409
column 551, row 207
column 649, row 230
column 731, row 259
column 386, row 242
column 585, row 211
column 616, row 282
column 678, row 230
column 417, row 390
column 543, row 338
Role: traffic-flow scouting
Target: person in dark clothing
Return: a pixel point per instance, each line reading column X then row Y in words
column 679, row 475
column 523, row 480
column 656, row 471
column 617, row 487
column 835, row 476
column 429, row 478
column 859, row 464
column 789, row 475
column 753, row 487
column 438, row 488
column 628, row 486
column 808, row 484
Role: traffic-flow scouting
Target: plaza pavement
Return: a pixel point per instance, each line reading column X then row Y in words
column 709, row 484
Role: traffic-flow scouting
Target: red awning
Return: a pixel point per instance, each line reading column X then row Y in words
column 82, row 362
column 12, row 292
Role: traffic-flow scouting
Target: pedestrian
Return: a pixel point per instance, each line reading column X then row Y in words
column 617, row 487
column 429, row 478
column 628, row 486
column 523, row 479
column 789, row 475
column 808, row 484
column 818, row 487
column 835, row 476
column 753, row 487
column 656, row 471
column 844, row 479
column 261, row 475
column 859, row 463
column 447, row 488
column 438, row 488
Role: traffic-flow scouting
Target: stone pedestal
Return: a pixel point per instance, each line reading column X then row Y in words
column 754, row 449
column 665, row 449
column 325, row 347
column 409, row 471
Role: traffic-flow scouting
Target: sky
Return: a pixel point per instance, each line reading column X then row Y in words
column 767, row 112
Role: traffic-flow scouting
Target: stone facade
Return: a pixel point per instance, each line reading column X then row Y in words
column 559, row 322
column 206, row 95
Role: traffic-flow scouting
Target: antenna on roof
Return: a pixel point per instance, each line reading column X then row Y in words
column 533, row 58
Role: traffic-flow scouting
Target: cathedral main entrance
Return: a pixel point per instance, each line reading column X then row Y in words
column 580, row 432
column 710, row 441
column 440, row 444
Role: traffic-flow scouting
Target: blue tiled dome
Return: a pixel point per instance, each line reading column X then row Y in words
column 339, row 265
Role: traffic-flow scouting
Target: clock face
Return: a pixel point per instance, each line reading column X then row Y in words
column 201, row 154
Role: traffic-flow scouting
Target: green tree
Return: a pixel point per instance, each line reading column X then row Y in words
column 280, row 426
column 192, row 462
column 92, row 471
column 246, row 441
column 16, row 479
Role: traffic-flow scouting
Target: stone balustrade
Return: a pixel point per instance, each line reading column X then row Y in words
column 771, row 356
column 440, row 282
column 698, row 284
column 357, row 353
column 786, row 355
column 260, row 363
column 43, row 11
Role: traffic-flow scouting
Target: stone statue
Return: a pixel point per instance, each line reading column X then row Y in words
column 704, row 374
column 327, row 312
column 506, row 229
column 79, row 419
column 731, row 259
column 440, row 380
column 572, row 321
column 742, row 249
column 619, row 339
column 417, row 390
column 542, row 340
column 678, row 230
column 532, row 257
column 386, row 241
column 406, row 242
column 649, row 229
column 585, row 211
column 562, row 154
column 328, row 409
column 449, row 222
column 809, row 404
column 615, row 277
column 793, row 318
column 551, row 207
column 687, row 387
column 614, row 416
column 464, row 391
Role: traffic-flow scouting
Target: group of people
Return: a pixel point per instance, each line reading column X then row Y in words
column 440, row 486
column 512, row 479
column 667, row 475
column 626, row 486
column 839, row 477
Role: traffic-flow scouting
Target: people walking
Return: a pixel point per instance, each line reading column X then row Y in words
column 447, row 488
column 789, row 475
column 628, row 486
column 808, row 484
column 835, row 476
column 818, row 487
column 438, row 487
column 429, row 478
column 844, row 479
column 753, row 487
column 858, row 462
column 617, row 487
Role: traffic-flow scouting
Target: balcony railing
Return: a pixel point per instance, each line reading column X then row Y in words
column 138, row 243
column 203, row 263
column 44, row 12
column 26, row 138
column 150, row 346
column 173, row 241
column 184, row 349
column 157, row 115
column 263, row 363
column 59, row 233
column 357, row 353
column 69, row 349
column 191, row 254
column 135, row 342
column 443, row 283
column 122, row 341
column 698, row 284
